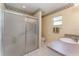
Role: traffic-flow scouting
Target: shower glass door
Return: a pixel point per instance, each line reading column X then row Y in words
column 21, row 34
column 14, row 34
column 31, row 35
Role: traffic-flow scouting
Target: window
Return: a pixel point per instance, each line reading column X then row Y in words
column 57, row 20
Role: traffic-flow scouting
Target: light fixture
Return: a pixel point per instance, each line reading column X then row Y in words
column 23, row 6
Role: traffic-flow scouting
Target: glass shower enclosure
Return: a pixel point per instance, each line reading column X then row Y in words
column 21, row 34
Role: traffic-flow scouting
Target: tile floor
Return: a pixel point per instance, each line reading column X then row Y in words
column 43, row 51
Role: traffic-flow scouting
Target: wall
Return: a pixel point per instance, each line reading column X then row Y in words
column 1, row 27
column 70, row 23
column 39, row 15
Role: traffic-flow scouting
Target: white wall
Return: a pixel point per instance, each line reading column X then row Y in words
column 1, row 27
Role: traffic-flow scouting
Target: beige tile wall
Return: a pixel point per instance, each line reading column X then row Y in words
column 70, row 23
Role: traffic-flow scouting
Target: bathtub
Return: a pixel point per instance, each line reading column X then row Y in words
column 68, row 40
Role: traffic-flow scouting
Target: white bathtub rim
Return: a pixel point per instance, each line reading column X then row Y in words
column 66, row 40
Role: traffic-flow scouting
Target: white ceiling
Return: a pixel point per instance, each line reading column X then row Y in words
column 33, row 7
